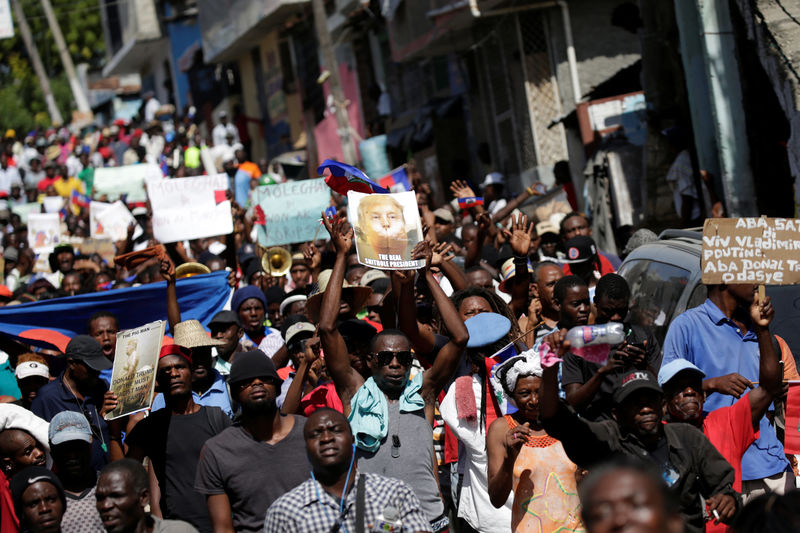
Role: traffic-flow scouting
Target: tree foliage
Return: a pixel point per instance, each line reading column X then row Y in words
column 21, row 100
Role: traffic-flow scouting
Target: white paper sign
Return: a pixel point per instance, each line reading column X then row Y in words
column 190, row 208
column 115, row 220
column 53, row 204
column 95, row 208
column 6, row 22
column 43, row 231
column 129, row 180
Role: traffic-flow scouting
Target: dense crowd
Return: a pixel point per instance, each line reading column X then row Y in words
column 337, row 397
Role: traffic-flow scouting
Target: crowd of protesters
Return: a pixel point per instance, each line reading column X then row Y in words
column 337, row 397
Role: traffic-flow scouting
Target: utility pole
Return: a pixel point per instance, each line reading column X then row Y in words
column 77, row 90
column 342, row 119
column 38, row 68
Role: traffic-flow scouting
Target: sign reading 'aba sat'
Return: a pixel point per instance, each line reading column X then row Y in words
column 751, row 250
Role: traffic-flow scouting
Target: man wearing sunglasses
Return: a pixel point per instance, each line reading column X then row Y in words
column 392, row 415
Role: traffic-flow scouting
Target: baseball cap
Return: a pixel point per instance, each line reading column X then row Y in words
column 674, row 367
column 289, row 300
column 546, row 226
column 634, row 381
column 444, row 214
column 224, row 318
column 370, row 276
column 493, row 178
column 11, row 254
column 32, row 368
column 69, row 425
column 87, row 350
column 580, row 249
column 297, row 329
column 30, row 476
column 252, row 364
column 486, row 328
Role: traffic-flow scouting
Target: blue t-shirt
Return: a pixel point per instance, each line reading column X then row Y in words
column 715, row 344
column 216, row 396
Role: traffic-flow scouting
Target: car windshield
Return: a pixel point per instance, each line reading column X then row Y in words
column 655, row 290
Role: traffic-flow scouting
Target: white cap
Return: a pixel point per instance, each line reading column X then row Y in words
column 32, row 368
column 493, row 178
column 289, row 301
column 300, row 327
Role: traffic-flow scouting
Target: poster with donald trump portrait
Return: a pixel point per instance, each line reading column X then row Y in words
column 387, row 228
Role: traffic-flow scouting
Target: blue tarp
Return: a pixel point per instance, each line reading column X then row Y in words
column 200, row 298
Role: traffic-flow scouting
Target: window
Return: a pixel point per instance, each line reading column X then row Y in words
column 656, row 289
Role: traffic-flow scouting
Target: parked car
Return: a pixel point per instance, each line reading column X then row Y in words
column 665, row 280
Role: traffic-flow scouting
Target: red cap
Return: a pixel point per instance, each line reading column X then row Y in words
column 5, row 292
column 175, row 349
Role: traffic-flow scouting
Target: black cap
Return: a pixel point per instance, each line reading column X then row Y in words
column 87, row 350
column 580, row 249
column 634, row 381
column 27, row 477
column 224, row 318
column 253, row 364
column 355, row 328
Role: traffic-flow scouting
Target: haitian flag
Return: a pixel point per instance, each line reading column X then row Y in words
column 346, row 178
column 472, row 201
column 791, row 441
column 501, row 356
column 396, row 180
column 80, row 200
column 199, row 297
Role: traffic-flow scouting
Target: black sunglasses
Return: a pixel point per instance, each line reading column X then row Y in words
column 385, row 357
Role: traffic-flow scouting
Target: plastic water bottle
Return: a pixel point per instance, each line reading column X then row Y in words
column 610, row 333
column 593, row 342
column 390, row 521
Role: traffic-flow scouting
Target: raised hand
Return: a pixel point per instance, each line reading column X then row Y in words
column 167, row 270
column 520, row 235
column 762, row 313
column 423, row 250
column 312, row 255
column 340, row 231
column 440, row 254
column 461, row 190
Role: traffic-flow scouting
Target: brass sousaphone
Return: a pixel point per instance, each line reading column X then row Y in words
column 276, row 261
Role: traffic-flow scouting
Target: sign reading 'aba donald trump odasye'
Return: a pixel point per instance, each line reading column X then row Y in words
column 763, row 250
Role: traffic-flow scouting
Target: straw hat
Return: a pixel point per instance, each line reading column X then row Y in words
column 190, row 334
column 187, row 270
column 507, row 273
column 354, row 295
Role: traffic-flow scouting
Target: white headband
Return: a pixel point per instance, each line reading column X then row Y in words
column 527, row 363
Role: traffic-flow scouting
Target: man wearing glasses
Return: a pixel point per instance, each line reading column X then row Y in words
column 80, row 389
column 258, row 459
column 392, row 415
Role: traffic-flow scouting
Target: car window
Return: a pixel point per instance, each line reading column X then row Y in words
column 655, row 290
column 699, row 295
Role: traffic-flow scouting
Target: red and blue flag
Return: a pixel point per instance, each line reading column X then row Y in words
column 80, row 200
column 472, row 201
column 396, row 180
column 344, row 178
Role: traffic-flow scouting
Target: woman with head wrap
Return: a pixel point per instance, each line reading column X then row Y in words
column 525, row 459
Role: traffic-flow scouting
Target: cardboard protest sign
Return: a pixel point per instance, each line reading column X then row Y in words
column 133, row 377
column 291, row 211
column 128, row 181
column 44, row 231
column 115, row 220
column 751, row 250
column 190, row 208
column 387, row 228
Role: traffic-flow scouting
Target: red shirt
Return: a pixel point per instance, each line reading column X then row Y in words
column 605, row 267
column 323, row 396
column 730, row 430
column 8, row 517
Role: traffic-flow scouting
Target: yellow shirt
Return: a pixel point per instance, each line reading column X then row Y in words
column 65, row 187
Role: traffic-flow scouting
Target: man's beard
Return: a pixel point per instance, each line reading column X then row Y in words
column 267, row 406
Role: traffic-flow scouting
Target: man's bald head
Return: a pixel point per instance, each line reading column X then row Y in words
column 329, row 444
column 19, row 449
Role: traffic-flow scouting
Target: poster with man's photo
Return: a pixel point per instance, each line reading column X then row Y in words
column 387, row 228
column 133, row 377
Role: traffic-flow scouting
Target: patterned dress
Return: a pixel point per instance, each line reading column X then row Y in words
column 545, row 491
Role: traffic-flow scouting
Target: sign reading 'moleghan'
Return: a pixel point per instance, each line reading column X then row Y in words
column 765, row 251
